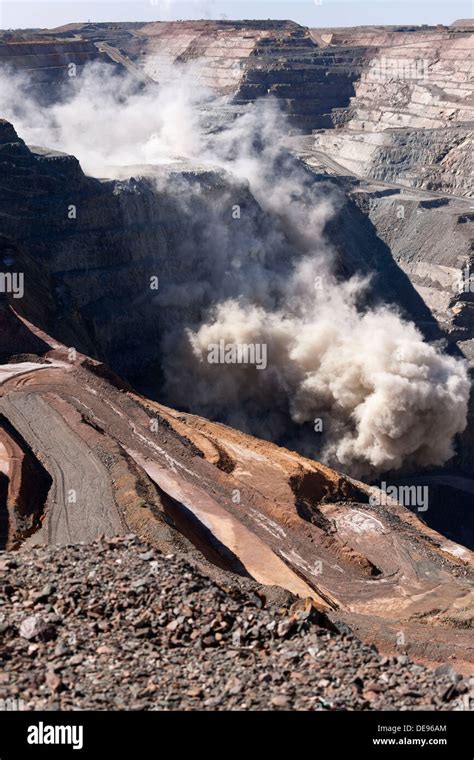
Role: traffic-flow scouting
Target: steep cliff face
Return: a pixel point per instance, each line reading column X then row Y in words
column 48, row 64
column 401, row 102
column 94, row 254
column 435, row 159
column 252, row 59
column 431, row 239
column 411, row 119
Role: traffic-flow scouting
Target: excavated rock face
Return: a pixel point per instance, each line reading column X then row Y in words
column 24, row 486
column 435, row 159
column 89, row 276
column 412, row 117
column 245, row 60
column 49, row 64
column 431, row 239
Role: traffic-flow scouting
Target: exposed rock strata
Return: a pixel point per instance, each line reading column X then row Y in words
column 412, row 117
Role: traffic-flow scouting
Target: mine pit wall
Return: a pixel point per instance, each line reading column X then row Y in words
column 4, row 510
column 98, row 269
column 15, row 338
column 46, row 63
column 431, row 240
column 432, row 243
column 322, row 78
column 411, row 119
column 450, row 504
column 244, row 60
column 247, row 60
column 310, row 90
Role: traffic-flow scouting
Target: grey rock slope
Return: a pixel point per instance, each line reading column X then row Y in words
column 412, row 116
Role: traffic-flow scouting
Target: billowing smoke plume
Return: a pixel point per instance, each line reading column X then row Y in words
column 106, row 120
column 351, row 383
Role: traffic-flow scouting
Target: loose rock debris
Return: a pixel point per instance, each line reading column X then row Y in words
column 116, row 625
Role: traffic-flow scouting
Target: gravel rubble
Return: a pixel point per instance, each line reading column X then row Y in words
column 116, row 625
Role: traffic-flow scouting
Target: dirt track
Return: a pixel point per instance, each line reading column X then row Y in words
column 80, row 505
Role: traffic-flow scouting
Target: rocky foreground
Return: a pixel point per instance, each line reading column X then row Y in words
column 116, row 625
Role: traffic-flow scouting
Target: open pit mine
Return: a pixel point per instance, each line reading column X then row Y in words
column 292, row 529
